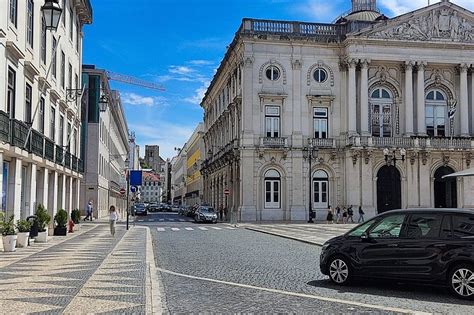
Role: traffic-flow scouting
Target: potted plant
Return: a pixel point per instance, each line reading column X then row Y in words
column 61, row 220
column 76, row 216
column 9, row 234
column 23, row 227
column 42, row 219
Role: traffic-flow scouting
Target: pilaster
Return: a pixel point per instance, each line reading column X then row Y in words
column 352, row 98
column 409, row 98
column 364, row 98
column 32, row 186
column 464, row 117
column 420, row 97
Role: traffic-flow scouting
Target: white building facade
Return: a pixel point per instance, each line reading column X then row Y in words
column 385, row 106
column 178, row 178
column 47, row 167
column 151, row 188
column 106, row 144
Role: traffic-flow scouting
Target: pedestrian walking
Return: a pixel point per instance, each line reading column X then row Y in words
column 221, row 212
column 350, row 214
column 330, row 216
column 338, row 214
column 344, row 215
column 89, row 211
column 361, row 215
column 113, row 217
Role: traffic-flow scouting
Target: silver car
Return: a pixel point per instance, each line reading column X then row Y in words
column 205, row 214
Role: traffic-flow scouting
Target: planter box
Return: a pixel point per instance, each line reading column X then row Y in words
column 9, row 243
column 22, row 240
column 42, row 237
column 60, row 231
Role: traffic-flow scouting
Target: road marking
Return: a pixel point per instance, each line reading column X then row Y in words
column 174, row 229
column 230, row 228
column 189, row 229
column 140, row 220
column 181, row 220
column 150, row 220
column 215, row 228
column 303, row 295
column 160, row 229
column 161, row 220
column 203, row 228
column 171, row 219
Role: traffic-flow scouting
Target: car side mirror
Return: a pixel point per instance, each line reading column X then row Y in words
column 365, row 237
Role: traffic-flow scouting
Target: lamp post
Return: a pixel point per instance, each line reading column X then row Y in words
column 310, row 152
column 393, row 158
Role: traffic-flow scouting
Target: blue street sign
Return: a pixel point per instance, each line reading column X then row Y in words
column 135, row 178
column 133, row 189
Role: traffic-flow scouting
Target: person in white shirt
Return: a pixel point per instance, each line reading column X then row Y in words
column 113, row 217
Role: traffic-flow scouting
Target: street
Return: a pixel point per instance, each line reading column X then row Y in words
column 218, row 268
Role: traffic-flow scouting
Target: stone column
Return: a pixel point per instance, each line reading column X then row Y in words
column 1, row 182
column 44, row 200
column 32, row 194
column 352, row 95
column 54, row 207
column 420, row 97
column 464, row 116
column 14, row 189
column 70, row 203
column 78, row 194
column 409, row 98
column 364, row 98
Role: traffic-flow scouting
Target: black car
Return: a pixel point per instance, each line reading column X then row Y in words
column 141, row 209
column 424, row 245
column 205, row 214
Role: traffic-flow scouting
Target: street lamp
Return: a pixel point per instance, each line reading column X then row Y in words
column 310, row 152
column 51, row 14
column 393, row 158
column 103, row 101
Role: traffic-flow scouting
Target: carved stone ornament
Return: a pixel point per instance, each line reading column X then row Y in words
column 367, row 157
column 445, row 160
column 355, row 156
column 468, row 159
column 333, row 155
column 444, row 23
column 424, row 157
column 413, row 158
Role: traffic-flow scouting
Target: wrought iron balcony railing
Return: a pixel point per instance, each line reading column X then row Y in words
column 49, row 149
column 19, row 134
column 59, row 154
column 323, row 143
column 80, row 166
column 74, row 165
column 4, row 127
column 37, row 143
column 67, row 159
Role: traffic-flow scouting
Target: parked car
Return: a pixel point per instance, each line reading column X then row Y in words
column 141, row 209
column 153, row 207
column 175, row 209
column 181, row 210
column 205, row 214
column 423, row 245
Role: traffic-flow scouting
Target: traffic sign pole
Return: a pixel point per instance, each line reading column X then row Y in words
column 128, row 198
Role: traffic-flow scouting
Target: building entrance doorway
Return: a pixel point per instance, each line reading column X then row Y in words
column 445, row 190
column 389, row 191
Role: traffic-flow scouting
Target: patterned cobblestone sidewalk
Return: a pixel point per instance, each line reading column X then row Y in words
column 315, row 234
column 90, row 273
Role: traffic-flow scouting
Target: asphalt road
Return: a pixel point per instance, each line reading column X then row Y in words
column 222, row 269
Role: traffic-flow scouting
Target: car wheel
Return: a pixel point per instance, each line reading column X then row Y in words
column 339, row 270
column 461, row 281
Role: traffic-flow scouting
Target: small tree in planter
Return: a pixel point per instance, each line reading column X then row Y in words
column 23, row 227
column 42, row 219
column 61, row 221
column 76, row 216
column 9, row 234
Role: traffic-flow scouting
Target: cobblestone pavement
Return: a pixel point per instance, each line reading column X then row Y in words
column 90, row 273
column 244, row 271
column 315, row 234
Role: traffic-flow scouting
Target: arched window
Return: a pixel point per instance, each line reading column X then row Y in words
column 272, row 189
column 381, row 112
column 436, row 113
column 320, row 190
column 272, row 73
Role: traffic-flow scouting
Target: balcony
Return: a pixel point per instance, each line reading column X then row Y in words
column 323, row 143
column 74, row 165
column 67, row 159
column 80, row 166
column 49, row 149
column 37, row 143
column 413, row 142
column 59, row 154
column 4, row 127
column 271, row 142
column 19, row 134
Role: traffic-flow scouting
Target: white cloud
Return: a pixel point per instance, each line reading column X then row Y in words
column 198, row 94
column 139, row 100
column 397, row 7
column 202, row 62
column 321, row 10
column 182, row 70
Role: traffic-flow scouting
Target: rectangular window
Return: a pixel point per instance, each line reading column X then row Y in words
column 74, row 142
column 61, row 130
column 463, row 226
column 272, row 193
column 381, row 121
column 78, row 34
column 76, row 82
column 64, row 14
column 272, row 121
column 70, row 76
column 424, row 226
column 28, row 103
column 52, row 123
column 54, row 65
column 320, row 123
column 14, row 12
column 11, row 92
column 43, row 41
column 41, row 115
column 69, row 136
column 63, row 69
column 30, row 22
column 71, row 24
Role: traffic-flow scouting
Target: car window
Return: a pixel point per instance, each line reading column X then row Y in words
column 424, row 225
column 358, row 231
column 445, row 227
column 388, row 227
column 463, row 226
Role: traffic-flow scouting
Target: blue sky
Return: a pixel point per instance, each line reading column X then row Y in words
column 180, row 43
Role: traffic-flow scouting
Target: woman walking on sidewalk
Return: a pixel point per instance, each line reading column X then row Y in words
column 113, row 217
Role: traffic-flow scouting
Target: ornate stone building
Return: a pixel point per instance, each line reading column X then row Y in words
column 383, row 106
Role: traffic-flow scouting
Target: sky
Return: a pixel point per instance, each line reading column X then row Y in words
column 179, row 44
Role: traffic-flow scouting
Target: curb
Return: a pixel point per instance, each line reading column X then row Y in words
column 284, row 236
column 154, row 304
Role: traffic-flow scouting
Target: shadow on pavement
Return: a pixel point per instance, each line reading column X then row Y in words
column 425, row 293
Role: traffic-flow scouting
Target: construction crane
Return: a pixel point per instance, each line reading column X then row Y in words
column 134, row 81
